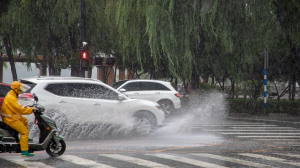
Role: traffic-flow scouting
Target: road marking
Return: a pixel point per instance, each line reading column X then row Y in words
column 204, row 124
column 283, row 140
column 26, row 161
column 83, row 162
column 262, row 127
column 231, row 125
column 259, row 133
column 268, row 136
column 290, row 155
column 137, row 161
column 270, row 158
column 241, row 130
column 230, row 159
column 187, row 160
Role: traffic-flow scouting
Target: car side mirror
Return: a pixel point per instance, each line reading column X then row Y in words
column 122, row 90
column 120, row 97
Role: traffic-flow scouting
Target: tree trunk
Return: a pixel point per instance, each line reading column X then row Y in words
column 232, row 91
column 8, row 48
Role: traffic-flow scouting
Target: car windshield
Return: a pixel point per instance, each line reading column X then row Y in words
column 28, row 86
column 118, row 84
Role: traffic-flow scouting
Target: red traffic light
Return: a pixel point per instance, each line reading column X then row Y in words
column 84, row 55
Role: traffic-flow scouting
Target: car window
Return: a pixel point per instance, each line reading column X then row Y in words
column 28, row 83
column 153, row 86
column 133, row 86
column 82, row 90
column 118, row 84
column 4, row 90
column 59, row 89
column 99, row 92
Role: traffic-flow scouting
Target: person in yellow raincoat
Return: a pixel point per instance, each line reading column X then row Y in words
column 11, row 113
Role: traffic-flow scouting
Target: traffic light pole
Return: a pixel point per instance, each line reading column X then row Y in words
column 82, row 34
column 83, row 37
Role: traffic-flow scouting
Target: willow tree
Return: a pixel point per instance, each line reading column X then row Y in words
column 166, row 33
column 287, row 15
column 52, row 28
column 242, row 29
column 6, row 36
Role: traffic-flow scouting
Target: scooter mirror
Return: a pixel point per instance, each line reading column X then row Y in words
column 35, row 97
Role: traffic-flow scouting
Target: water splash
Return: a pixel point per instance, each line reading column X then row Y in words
column 203, row 108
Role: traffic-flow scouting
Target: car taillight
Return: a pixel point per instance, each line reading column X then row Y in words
column 177, row 94
column 26, row 96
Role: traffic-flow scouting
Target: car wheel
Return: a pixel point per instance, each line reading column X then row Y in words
column 144, row 123
column 167, row 106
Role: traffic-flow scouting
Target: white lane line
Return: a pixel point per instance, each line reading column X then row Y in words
column 241, row 130
column 187, row 160
column 262, row 127
column 83, row 162
column 203, row 124
column 283, row 140
column 259, row 133
column 137, row 161
column 290, row 155
column 24, row 161
column 231, row 125
column 230, row 159
column 257, row 156
column 268, row 136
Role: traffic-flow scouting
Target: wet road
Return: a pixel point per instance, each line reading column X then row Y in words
column 197, row 143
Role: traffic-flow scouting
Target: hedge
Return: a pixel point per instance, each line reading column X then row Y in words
column 257, row 106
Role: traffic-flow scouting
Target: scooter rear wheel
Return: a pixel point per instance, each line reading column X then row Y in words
column 56, row 150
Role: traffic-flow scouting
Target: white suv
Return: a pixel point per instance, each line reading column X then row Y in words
column 80, row 99
column 158, row 91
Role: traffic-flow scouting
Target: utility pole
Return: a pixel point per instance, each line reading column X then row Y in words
column 265, row 79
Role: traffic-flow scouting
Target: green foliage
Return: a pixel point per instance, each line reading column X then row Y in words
column 165, row 38
column 207, row 87
column 257, row 106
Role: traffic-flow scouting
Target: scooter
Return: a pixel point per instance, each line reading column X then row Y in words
column 49, row 139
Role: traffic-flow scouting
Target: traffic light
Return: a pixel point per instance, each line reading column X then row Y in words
column 84, row 55
column 84, row 58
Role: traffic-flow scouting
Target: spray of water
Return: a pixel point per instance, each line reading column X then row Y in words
column 202, row 109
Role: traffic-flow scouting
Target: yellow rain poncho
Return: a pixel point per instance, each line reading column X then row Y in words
column 12, row 111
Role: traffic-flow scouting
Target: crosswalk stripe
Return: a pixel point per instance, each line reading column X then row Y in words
column 259, row 133
column 22, row 161
column 267, row 128
column 282, row 140
column 268, row 136
column 231, row 125
column 270, row 158
column 229, row 159
column 137, row 161
column 290, row 155
column 84, row 162
column 255, row 130
column 187, row 160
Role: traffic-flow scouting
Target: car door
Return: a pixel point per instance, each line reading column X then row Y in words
column 4, row 89
column 82, row 102
column 132, row 89
column 104, row 104
column 67, row 98
column 150, row 91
